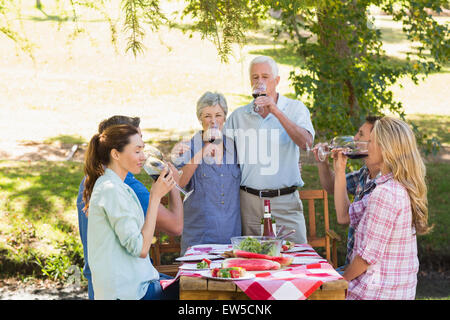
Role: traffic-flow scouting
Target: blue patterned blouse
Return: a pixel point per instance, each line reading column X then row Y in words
column 212, row 212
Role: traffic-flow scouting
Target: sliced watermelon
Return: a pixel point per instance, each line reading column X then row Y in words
column 251, row 264
column 214, row 272
column 284, row 261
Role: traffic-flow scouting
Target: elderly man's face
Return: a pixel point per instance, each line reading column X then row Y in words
column 262, row 72
column 212, row 114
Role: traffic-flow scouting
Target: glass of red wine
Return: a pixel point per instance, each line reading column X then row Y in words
column 352, row 149
column 258, row 89
column 212, row 135
column 154, row 165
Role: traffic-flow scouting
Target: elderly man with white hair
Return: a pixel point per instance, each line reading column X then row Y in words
column 268, row 133
column 212, row 212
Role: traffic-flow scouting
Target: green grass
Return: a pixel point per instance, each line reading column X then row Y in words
column 433, row 126
column 38, row 217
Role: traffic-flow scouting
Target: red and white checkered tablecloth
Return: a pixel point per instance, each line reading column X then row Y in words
column 296, row 282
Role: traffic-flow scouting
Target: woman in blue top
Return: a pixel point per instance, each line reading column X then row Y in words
column 212, row 212
column 119, row 236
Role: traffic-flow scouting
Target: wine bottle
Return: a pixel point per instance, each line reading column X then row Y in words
column 268, row 230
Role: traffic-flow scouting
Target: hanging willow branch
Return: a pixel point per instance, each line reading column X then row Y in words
column 134, row 11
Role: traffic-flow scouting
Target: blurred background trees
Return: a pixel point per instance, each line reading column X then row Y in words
column 344, row 74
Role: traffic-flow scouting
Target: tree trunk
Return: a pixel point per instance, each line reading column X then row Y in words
column 332, row 40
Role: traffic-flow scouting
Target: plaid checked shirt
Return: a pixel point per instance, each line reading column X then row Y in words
column 386, row 239
column 359, row 185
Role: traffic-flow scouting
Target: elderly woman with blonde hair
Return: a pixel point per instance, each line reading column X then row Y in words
column 384, row 262
column 212, row 212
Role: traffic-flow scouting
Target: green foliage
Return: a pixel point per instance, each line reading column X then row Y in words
column 346, row 74
column 224, row 21
column 134, row 11
column 6, row 28
column 62, row 265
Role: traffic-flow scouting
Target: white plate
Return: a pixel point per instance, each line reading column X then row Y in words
column 193, row 266
column 307, row 260
column 204, row 246
column 297, row 249
column 247, row 276
column 198, row 257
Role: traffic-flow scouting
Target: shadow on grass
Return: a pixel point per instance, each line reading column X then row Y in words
column 38, row 196
column 41, row 191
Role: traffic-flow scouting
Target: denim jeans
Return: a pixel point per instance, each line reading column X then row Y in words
column 155, row 292
column 341, row 269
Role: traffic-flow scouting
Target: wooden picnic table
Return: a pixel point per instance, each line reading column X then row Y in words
column 316, row 271
column 194, row 288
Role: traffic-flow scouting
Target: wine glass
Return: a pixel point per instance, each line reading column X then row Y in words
column 353, row 149
column 258, row 89
column 360, row 151
column 154, row 166
column 213, row 133
column 154, row 152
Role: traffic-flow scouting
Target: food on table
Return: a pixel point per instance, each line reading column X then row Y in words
column 251, row 264
column 228, row 254
column 204, row 264
column 232, row 272
column 263, row 245
column 284, row 261
column 288, row 245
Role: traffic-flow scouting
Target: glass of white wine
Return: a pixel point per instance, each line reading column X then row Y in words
column 154, row 165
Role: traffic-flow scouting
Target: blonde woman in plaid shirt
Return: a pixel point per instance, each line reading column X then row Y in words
column 384, row 262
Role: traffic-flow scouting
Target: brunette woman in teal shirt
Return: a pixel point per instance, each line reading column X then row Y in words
column 169, row 220
column 118, row 235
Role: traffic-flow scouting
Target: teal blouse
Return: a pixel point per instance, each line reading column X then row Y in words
column 115, row 241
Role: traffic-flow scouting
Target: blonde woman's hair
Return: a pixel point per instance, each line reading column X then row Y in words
column 401, row 157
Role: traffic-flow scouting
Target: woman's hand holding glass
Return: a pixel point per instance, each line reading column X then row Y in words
column 210, row 153
column 154, row 166
column 339, row 159
column 212, row 137
column 163, row 184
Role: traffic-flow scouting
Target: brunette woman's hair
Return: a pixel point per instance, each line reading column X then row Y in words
column 99, row 152
column 372, row 119
column 115, row 120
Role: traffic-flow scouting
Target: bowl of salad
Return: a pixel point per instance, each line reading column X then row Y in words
column 258, row 244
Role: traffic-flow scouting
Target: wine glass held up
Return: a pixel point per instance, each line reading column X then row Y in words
column 351, row 148
column 154, row 166
column 213, row 135
column 258, row 89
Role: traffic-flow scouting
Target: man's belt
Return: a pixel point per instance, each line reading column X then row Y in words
column 269, row 193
